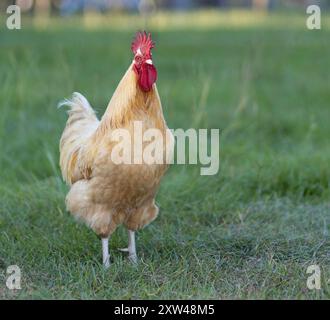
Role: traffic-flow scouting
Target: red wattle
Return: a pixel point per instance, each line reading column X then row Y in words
column 148, row 76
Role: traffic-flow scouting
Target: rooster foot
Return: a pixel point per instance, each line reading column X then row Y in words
column 132, row 257
column 131, row 249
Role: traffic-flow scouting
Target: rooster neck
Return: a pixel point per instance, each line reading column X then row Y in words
column 130, row 103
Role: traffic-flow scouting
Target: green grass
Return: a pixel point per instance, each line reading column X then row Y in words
column 249, row 232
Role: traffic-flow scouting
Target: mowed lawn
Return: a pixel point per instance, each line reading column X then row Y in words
column 250, row 231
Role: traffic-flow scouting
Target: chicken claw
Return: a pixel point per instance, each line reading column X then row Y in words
column 131, row 249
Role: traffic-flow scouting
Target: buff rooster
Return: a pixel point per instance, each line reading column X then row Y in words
column 104, row 193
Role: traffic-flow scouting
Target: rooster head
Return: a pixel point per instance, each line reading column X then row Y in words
column 142, row 63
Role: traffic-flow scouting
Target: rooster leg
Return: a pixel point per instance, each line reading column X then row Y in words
column 131, row 247
column 105, row 251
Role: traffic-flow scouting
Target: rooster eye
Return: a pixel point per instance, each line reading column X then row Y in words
column 138, row 59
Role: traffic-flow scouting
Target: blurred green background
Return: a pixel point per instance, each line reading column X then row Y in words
column 250, row 231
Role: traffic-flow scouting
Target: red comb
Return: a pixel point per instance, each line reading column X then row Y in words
column 143, row 42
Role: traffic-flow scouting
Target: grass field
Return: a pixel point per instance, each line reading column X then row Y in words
column 249, row 232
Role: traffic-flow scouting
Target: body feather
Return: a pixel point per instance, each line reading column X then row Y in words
column 102, row 193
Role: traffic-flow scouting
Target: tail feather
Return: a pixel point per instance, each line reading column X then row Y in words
column 78, row 105
column 81, row 124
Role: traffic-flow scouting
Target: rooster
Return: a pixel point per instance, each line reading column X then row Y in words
column 102, row 193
